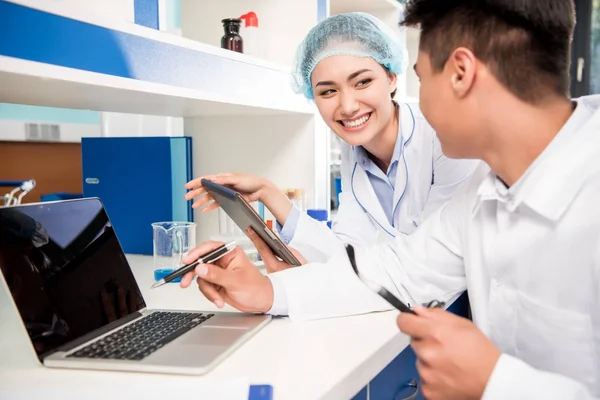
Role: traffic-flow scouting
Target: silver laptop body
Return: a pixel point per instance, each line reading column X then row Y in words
column 82, row 308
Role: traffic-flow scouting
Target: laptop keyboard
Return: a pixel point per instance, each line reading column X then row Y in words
column 142, row 338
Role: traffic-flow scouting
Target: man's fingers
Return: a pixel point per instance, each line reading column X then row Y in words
column 187, row 279
column 211, row 292
column 437, row 316
column 200, row 250
column 224, row 261
column 214, row 274
column 416, row 326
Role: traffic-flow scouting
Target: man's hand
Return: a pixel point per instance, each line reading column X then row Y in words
column 233, row 279
column 455, row 359
column 272, row 263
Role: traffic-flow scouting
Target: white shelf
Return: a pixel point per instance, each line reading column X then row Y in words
column 343, row 6
column 29, row 82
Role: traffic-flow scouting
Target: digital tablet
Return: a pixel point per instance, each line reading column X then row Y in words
column 244, row 216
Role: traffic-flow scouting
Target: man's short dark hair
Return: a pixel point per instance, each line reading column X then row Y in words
column 525, row 43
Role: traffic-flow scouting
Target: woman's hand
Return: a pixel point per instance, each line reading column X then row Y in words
column 251, row 187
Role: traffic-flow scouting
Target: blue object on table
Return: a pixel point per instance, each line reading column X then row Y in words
column 260, row 392
column 329, row 224
column 140, row 180
column 162, row 272
column 318, row 214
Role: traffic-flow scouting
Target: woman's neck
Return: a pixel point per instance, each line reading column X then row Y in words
column 381, row 148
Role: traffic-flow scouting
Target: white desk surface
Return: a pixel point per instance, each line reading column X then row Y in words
column 326, row 359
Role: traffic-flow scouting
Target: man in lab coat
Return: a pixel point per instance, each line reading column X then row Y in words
column 523, row 235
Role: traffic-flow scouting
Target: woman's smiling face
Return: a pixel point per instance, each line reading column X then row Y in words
column 353, row 95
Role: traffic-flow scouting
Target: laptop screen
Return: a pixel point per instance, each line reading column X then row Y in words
column 65, row 269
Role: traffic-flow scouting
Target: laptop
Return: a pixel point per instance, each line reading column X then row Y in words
column 82, row 308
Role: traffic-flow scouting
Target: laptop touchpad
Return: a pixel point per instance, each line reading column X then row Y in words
column 212, row 336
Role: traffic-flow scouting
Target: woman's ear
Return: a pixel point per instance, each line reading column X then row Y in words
column 392, row 81
column 392, row 84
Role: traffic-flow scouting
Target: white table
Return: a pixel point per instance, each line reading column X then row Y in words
column 326, row 359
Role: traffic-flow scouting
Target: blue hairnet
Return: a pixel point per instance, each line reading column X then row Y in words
column 356, row 34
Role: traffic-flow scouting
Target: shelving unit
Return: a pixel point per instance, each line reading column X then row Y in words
column 119, row 69
column 343, row 6
column 239, row 110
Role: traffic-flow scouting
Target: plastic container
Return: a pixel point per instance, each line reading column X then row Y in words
column 232, row 40
column 254, row 42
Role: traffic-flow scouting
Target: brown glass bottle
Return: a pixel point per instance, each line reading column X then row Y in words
column 232, row 39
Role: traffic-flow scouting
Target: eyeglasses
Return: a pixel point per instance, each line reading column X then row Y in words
column 383, row 292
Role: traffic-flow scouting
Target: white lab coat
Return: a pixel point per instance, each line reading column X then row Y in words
column 360, row 219
column 530, row 259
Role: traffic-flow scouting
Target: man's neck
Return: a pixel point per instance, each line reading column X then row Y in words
column 518, row 133
column 381, row 148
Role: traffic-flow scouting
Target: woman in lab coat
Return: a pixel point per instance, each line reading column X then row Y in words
column 393, row 171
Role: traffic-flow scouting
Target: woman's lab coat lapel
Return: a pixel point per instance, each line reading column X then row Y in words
column 363, row 191
column 406, row 129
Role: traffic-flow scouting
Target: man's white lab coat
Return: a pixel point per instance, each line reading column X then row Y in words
column 529, row 257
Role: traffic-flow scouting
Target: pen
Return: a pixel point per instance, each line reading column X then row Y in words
column 205, row 259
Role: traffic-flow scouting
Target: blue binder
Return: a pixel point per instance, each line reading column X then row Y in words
column 140, row 180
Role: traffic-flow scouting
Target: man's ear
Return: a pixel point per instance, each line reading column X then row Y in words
column 462, row 66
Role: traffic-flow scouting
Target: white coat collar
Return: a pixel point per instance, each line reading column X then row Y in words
column 366, row 195
column 551, row 183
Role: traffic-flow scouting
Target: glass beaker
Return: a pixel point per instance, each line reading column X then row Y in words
column 171, row 242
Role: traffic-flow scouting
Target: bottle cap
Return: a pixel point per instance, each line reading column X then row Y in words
column 251, row 19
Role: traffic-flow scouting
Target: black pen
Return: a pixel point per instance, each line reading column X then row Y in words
column 205, row 259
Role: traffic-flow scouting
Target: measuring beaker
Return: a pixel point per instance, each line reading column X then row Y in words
column 172, row 241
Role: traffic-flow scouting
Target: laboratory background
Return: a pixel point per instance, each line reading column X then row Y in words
column 127, row 100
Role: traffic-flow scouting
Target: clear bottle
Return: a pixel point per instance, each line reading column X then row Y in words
column 232, row 39
column 254, row 42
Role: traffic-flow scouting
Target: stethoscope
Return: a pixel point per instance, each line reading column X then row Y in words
column 405, row 185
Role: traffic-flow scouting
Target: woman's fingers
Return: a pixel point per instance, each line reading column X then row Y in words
column 203, row 201
column 197, row 192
